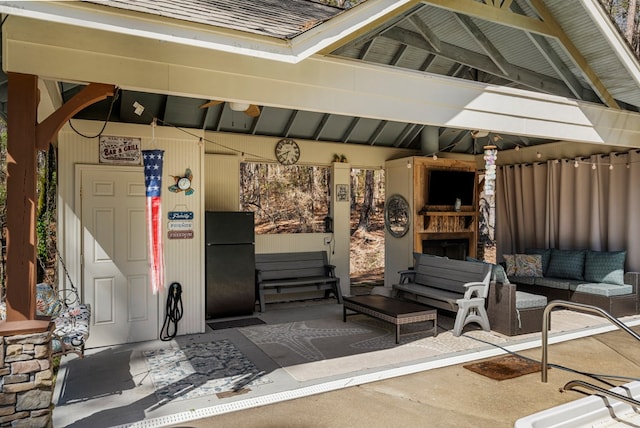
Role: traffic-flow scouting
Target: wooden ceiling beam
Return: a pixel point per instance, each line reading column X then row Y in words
column 321, row 126
column 498, row 15
column 546, row 26
column 90, row 94
column 428, row 35
column 575, row 54
column 484, row 43
column 482, row 62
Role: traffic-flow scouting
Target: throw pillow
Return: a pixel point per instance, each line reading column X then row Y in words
column 510, row 262
column 47, row 301
column 605, row 266
column 529, row 265
column 545, row 253
column 568, row 264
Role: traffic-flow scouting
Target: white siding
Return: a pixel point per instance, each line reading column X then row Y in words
column 184, row 258
column 226, row 151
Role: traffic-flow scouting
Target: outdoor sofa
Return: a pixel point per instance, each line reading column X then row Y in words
column 594, row 278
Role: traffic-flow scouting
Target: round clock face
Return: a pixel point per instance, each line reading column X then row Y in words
column 287, row 151
column 397, row 216
column 184, row 183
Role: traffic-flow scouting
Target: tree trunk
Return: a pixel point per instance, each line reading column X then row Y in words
column 367, row 203
column 631, row 19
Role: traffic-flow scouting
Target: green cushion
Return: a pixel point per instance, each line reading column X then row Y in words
column 567, row 264
column 605, row 266
column 528, row 300
column 559, row 283
column 605, row 289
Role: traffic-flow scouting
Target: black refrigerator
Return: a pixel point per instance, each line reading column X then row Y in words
column 230, row 264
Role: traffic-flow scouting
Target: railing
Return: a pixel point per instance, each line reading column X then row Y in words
column 578, row 383
column 580, row 307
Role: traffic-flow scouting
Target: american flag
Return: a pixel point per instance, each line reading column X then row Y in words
column 152, row 160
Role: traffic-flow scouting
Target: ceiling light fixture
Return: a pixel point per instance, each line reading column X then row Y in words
column 479, row 133
column 138, row 108
column 239, row 106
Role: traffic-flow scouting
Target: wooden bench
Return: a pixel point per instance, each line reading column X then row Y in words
column 453, row 285
column 295, row 272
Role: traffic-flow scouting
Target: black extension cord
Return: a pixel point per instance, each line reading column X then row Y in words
column 173, row 312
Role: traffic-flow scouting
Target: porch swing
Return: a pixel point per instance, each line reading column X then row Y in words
column 70, row 317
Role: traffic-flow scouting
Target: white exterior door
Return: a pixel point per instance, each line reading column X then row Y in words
column 114, row 253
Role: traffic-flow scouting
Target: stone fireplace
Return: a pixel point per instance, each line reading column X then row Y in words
column 452, row 248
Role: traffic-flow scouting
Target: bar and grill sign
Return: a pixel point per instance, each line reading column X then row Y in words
column 120, row 150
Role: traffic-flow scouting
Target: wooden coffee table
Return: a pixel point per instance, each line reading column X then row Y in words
column 395, row 311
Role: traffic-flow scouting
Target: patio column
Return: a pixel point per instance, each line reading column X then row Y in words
column 341, row 212
column 25, row 138
column 21, row 197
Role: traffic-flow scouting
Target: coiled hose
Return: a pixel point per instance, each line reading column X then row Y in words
column 173, row 312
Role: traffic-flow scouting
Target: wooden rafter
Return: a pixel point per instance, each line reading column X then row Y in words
column 428, row 35
column 500, row 15
column 481, row 62
column 497, row 12
column 486, row 45
column 90, row 94
column 571, row 49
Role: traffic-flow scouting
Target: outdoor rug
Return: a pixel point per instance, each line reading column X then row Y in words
column 242, row 322
column 201, row 369
column 326, row 347
column 506, row 367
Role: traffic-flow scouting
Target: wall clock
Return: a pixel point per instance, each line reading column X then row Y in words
column 397, row 216
column 287, row 151
column 183, row 183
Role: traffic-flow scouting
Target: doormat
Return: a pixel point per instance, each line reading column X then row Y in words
column 506, row 367
column 243, row 322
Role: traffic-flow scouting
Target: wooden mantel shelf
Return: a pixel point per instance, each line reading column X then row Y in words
column 448, row 213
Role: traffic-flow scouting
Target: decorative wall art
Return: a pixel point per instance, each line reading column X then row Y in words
column 120, row 150
column 183, row 183
column 342, row 192
column 490, row 156
column 397, row 216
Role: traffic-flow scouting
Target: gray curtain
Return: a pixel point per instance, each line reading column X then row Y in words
column 556, row 205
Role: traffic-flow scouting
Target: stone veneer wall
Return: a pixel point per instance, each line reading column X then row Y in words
column 26, row 376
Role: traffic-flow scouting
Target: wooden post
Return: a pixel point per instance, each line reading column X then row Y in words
column 21, row 197
column 24, row 138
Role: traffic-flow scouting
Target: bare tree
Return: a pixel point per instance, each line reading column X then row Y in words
column 367, row 204
column 630, row 26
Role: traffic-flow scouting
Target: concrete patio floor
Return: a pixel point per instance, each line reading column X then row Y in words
column 434, row 393
column 450, row 396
